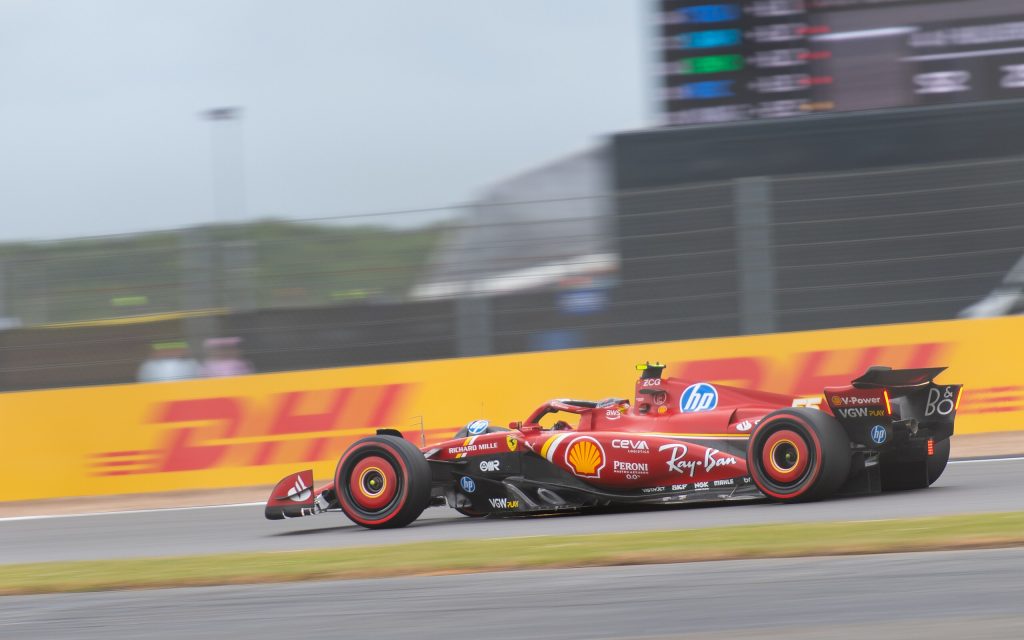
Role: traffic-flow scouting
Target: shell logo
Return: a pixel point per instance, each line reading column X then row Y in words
column 585, row 457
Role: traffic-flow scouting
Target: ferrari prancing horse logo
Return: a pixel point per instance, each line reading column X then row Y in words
column 513, row 444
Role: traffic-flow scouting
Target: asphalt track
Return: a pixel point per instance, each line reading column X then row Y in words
column 965, row 487
column 935, row 595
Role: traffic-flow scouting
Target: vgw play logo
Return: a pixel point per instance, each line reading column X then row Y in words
column 698, row 397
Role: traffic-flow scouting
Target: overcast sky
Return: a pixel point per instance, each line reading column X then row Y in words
column 350, row 105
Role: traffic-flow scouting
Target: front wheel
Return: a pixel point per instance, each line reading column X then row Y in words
column 383, row 482
column 799, row 454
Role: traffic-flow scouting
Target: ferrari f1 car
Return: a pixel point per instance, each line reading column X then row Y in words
column 678, row 441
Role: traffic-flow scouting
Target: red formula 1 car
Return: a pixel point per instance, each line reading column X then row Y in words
column 677, row 442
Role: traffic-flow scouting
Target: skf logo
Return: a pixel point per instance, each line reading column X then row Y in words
column 512, row 443
column 585, row 457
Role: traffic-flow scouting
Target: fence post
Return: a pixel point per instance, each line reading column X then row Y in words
column 198, row 288
column 473, row 326
column 752, row 198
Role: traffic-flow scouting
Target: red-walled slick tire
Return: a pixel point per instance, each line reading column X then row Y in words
column 799, row 454
column 383, row 482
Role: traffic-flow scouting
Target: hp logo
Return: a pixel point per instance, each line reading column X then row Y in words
column 878, row 434
column 467, row 484
column 698, row 397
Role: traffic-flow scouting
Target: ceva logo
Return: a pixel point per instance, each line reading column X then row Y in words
column 698, row 397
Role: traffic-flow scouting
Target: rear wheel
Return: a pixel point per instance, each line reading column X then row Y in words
column 383, row 482
column 938, row 460
column 798, row 454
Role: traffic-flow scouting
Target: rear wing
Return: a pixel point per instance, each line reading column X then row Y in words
column 885, row 406
column 879, row 377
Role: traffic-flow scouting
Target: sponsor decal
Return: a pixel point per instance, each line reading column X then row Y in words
column 467, row 484
column 698, row 397
column 860, row 412
column 469, row 446
column 632, row 470
column 633, row 446
column 612, row 414
column 849, row 401
column 878, row 434
column 713, row 461
column 503, row 503
column 585, row 457
column 477, row 427
column 677, row 463
column 813, row 402
column 652, row 489
column 650, row 382
column 940, row 401
column 680, row 487
column 300, row 492
column 746, row 425
column 512, row 442
column 701, row 486
column 490, row 465
column 724, row 483
column 239, row 431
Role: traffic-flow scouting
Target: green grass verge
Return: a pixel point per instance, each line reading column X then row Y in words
column 425, row 558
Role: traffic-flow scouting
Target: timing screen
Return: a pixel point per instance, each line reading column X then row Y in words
column 753, row 59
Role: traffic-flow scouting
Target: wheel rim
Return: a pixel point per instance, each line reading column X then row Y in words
column 373, row 484
column 785, row 457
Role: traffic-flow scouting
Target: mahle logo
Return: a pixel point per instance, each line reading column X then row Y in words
column 698, row 397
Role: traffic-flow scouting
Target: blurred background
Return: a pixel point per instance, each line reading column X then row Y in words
column 199, row 189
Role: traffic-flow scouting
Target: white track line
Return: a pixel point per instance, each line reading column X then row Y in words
column 986, row 460
column 133, row 511
column 255, row 504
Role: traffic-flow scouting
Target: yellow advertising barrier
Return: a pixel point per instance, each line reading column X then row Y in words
column 252, row 430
